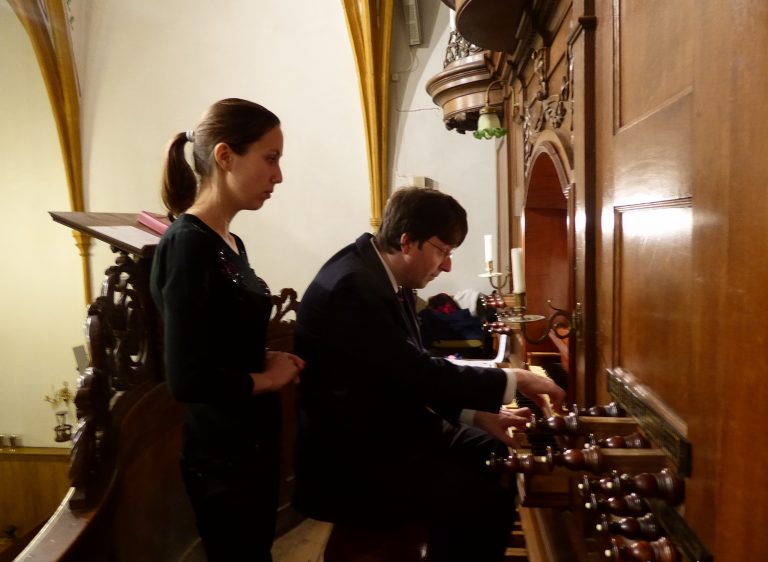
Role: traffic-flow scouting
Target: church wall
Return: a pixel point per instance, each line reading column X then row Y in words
column 39, row 262
column 149, row 71
column 421, row 146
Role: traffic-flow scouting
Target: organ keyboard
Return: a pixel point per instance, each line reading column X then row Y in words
column 617, row 470
column 618, row 476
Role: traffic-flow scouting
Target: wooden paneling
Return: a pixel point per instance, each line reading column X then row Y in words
column 32, row 482
column 726, row 499
column 653, row 55
column 646, row 162
column 668, row 140
column 645, row 195
column 546, row 264
column 143, row 513
column 653, row 156
column 692, row 113
column 546, row 189
column 652, row 296
column 582, row 214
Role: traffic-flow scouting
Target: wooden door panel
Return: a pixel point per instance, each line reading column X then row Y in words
column 682, row 116
column 546, row 266
column 652, row 297
column 652, row 55
column 645, row 196
column 652, row 156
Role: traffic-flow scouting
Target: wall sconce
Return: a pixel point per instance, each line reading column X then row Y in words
column 489, row 122
column 512, row 316
column 489, row 125
column 511, row 307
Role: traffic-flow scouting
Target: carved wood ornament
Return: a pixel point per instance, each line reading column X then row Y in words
column 483, row 50
column 122, row 344
column 280, row 331
column 544, row 109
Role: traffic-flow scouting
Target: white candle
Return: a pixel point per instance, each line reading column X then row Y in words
column 452, row 20
column 488, row 238
column 518, row 281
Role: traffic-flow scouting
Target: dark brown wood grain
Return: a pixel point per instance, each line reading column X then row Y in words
column 662, row 147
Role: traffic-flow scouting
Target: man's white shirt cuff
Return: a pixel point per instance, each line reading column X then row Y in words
column 510, row 390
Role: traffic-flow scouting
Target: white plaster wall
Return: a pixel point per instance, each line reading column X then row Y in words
column 149, row 69
column 41, row 295
column 462, row 166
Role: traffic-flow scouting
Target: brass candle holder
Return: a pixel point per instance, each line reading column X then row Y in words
column 516, row 302
column 513, row 316
column 497, row 279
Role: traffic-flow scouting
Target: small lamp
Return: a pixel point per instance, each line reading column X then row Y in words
column 489, row 124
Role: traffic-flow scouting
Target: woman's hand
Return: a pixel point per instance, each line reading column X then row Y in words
column 280, row 368
column 298, row 361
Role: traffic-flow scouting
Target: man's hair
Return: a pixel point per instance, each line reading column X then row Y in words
column 421, row 213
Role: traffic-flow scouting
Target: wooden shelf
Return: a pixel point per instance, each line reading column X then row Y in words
column 35, row 452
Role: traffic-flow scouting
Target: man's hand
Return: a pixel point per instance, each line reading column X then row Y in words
column 498, row 424
column 535, row 386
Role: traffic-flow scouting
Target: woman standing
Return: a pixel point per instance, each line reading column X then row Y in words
column 215, row 311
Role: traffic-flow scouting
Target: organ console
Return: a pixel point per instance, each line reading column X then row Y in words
column 589, row 459
column 628, row 465
column 579, row 424
column 612, row 410
column 520, row 463
column 645, row 527
column 661, row 550
column 632, row 441
column 559, row 425
column 631, row 504
column 664, row 484
column 630, row 487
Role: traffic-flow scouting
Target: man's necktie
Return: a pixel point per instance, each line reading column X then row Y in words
column 406, row 301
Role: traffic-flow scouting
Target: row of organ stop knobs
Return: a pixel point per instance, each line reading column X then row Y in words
column 616, row 499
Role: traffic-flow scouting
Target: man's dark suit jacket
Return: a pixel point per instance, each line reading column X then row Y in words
column 371, row 400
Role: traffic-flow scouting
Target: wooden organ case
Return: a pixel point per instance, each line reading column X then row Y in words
column 628, row 176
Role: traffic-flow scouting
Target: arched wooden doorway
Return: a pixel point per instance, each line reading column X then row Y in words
column 547, row 246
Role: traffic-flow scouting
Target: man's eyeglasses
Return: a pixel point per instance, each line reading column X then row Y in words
column 447, row 253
